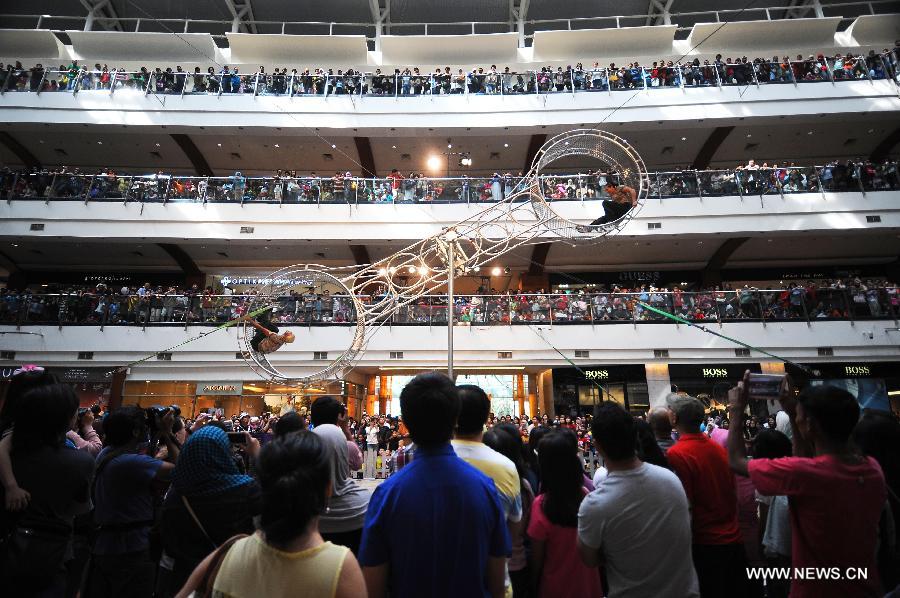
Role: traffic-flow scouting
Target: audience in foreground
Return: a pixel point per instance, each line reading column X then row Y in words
column 836, row 495
column 436, row 528
column 637, row 523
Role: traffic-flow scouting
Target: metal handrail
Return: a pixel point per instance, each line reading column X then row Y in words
column 589, row 308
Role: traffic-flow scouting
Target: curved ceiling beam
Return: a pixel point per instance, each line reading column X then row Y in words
column 21, row 152
column 193, row 153
column 883, row 149
column 712, row 273
column 366, row 157
column 710, row 147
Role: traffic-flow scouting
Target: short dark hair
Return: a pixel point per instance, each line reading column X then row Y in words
column 474, row 408
column 289, row 422
column 294, row 472
column 325, row 410
column 771, row 444
column 18, row 386
column 834, row 409
column 120, row 425
column 56, row 404
column 613, row 431
column 429, row 405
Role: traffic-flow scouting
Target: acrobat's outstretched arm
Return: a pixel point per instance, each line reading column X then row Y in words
column 257, row 325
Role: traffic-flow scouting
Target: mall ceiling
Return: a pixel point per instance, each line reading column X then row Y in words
column 406, row 12
column 257, row 151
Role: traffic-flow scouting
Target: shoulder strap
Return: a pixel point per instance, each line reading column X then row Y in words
column 209, row 578
column 196, row 519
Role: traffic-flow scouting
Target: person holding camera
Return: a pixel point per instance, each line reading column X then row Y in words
column 127, row 484
column 825, row 476
column 83, row 435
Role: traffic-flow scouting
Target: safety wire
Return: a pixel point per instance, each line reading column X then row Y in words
column 227, row 324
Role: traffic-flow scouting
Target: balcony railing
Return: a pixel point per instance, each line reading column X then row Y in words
column 741, row 305
column 405, row 83
column 286, row 189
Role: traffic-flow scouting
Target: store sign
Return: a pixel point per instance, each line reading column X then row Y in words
column 714, row 372
column 219, row 388
column 596, row 374
column 228, row 280
column 857, row 370
column 7, row 371
column 640, row 276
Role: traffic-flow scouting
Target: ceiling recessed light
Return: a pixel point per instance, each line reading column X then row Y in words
column 157, row 145
column 393, row 147
column 809, row 132
column 749, row 135
column 333, row 146
column 219, row 144
column 276, row 145
column 42, row 141
column 505, row 145
column 870, row 131
column 15, row 244
column 99, row 143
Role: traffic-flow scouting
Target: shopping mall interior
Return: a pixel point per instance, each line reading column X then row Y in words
column 224, row 216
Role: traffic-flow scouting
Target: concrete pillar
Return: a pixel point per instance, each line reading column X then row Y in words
column 384, row 397
column 532, row 395
column 659, row 385
column 546, row 394
column 116, row 390
column 520, row 393
column 370, row 395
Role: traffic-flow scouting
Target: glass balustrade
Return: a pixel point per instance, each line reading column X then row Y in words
column 754, row 179
column 730, row 305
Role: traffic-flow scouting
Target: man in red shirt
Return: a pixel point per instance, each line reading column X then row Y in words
column 836, row 496
column 396, row 179
column 702, row 467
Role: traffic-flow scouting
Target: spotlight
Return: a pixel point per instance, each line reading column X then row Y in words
column 496, row 271
column 449, row 146
column 411, row 269
column 382, row 271
column 505, row 145
column 506, row 270
column 423, row 270
column 434, row 163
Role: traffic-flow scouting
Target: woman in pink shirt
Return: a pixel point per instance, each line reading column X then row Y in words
column 556, row 569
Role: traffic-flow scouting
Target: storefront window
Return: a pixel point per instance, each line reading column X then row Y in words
column 579, row 390
column 873, row 384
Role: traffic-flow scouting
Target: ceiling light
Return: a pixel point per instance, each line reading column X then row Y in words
column 157, row 145
column 749, row 135
column 382, row 271
column 392, row 270
column 393, row 147
column 276, row 145
column 333, row 146
column 870, row 131
column 505, row 145
column 219, row 144
column 411, row 269
column 434, row 163
column 423, row 270
column 496, row 271
column 99, row 143
column 684, row 138
column 809, row 132
column 449, row 146
column 15, row 244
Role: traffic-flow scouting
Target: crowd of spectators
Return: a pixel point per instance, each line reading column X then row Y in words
column 811, row 300
column 288, row 186
column 152, row 504
column 412, row 81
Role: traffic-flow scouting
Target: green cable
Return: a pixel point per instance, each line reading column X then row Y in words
column 720, row 335
column 227, row 324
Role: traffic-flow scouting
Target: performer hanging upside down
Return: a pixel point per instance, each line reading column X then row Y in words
column 622, row 199
column 266, row 339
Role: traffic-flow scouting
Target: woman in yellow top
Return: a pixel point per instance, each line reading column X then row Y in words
column 286, row 556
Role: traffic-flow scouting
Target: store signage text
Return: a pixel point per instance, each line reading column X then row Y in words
column 857, row 370
column 227, row 280
column 597, row 374
column 219, row 388
column 715, row 373
column 640, row 276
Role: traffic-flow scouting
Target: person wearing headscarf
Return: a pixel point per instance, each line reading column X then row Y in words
column 210, row 501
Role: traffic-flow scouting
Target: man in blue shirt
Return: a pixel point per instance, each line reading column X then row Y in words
column 437, row 527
